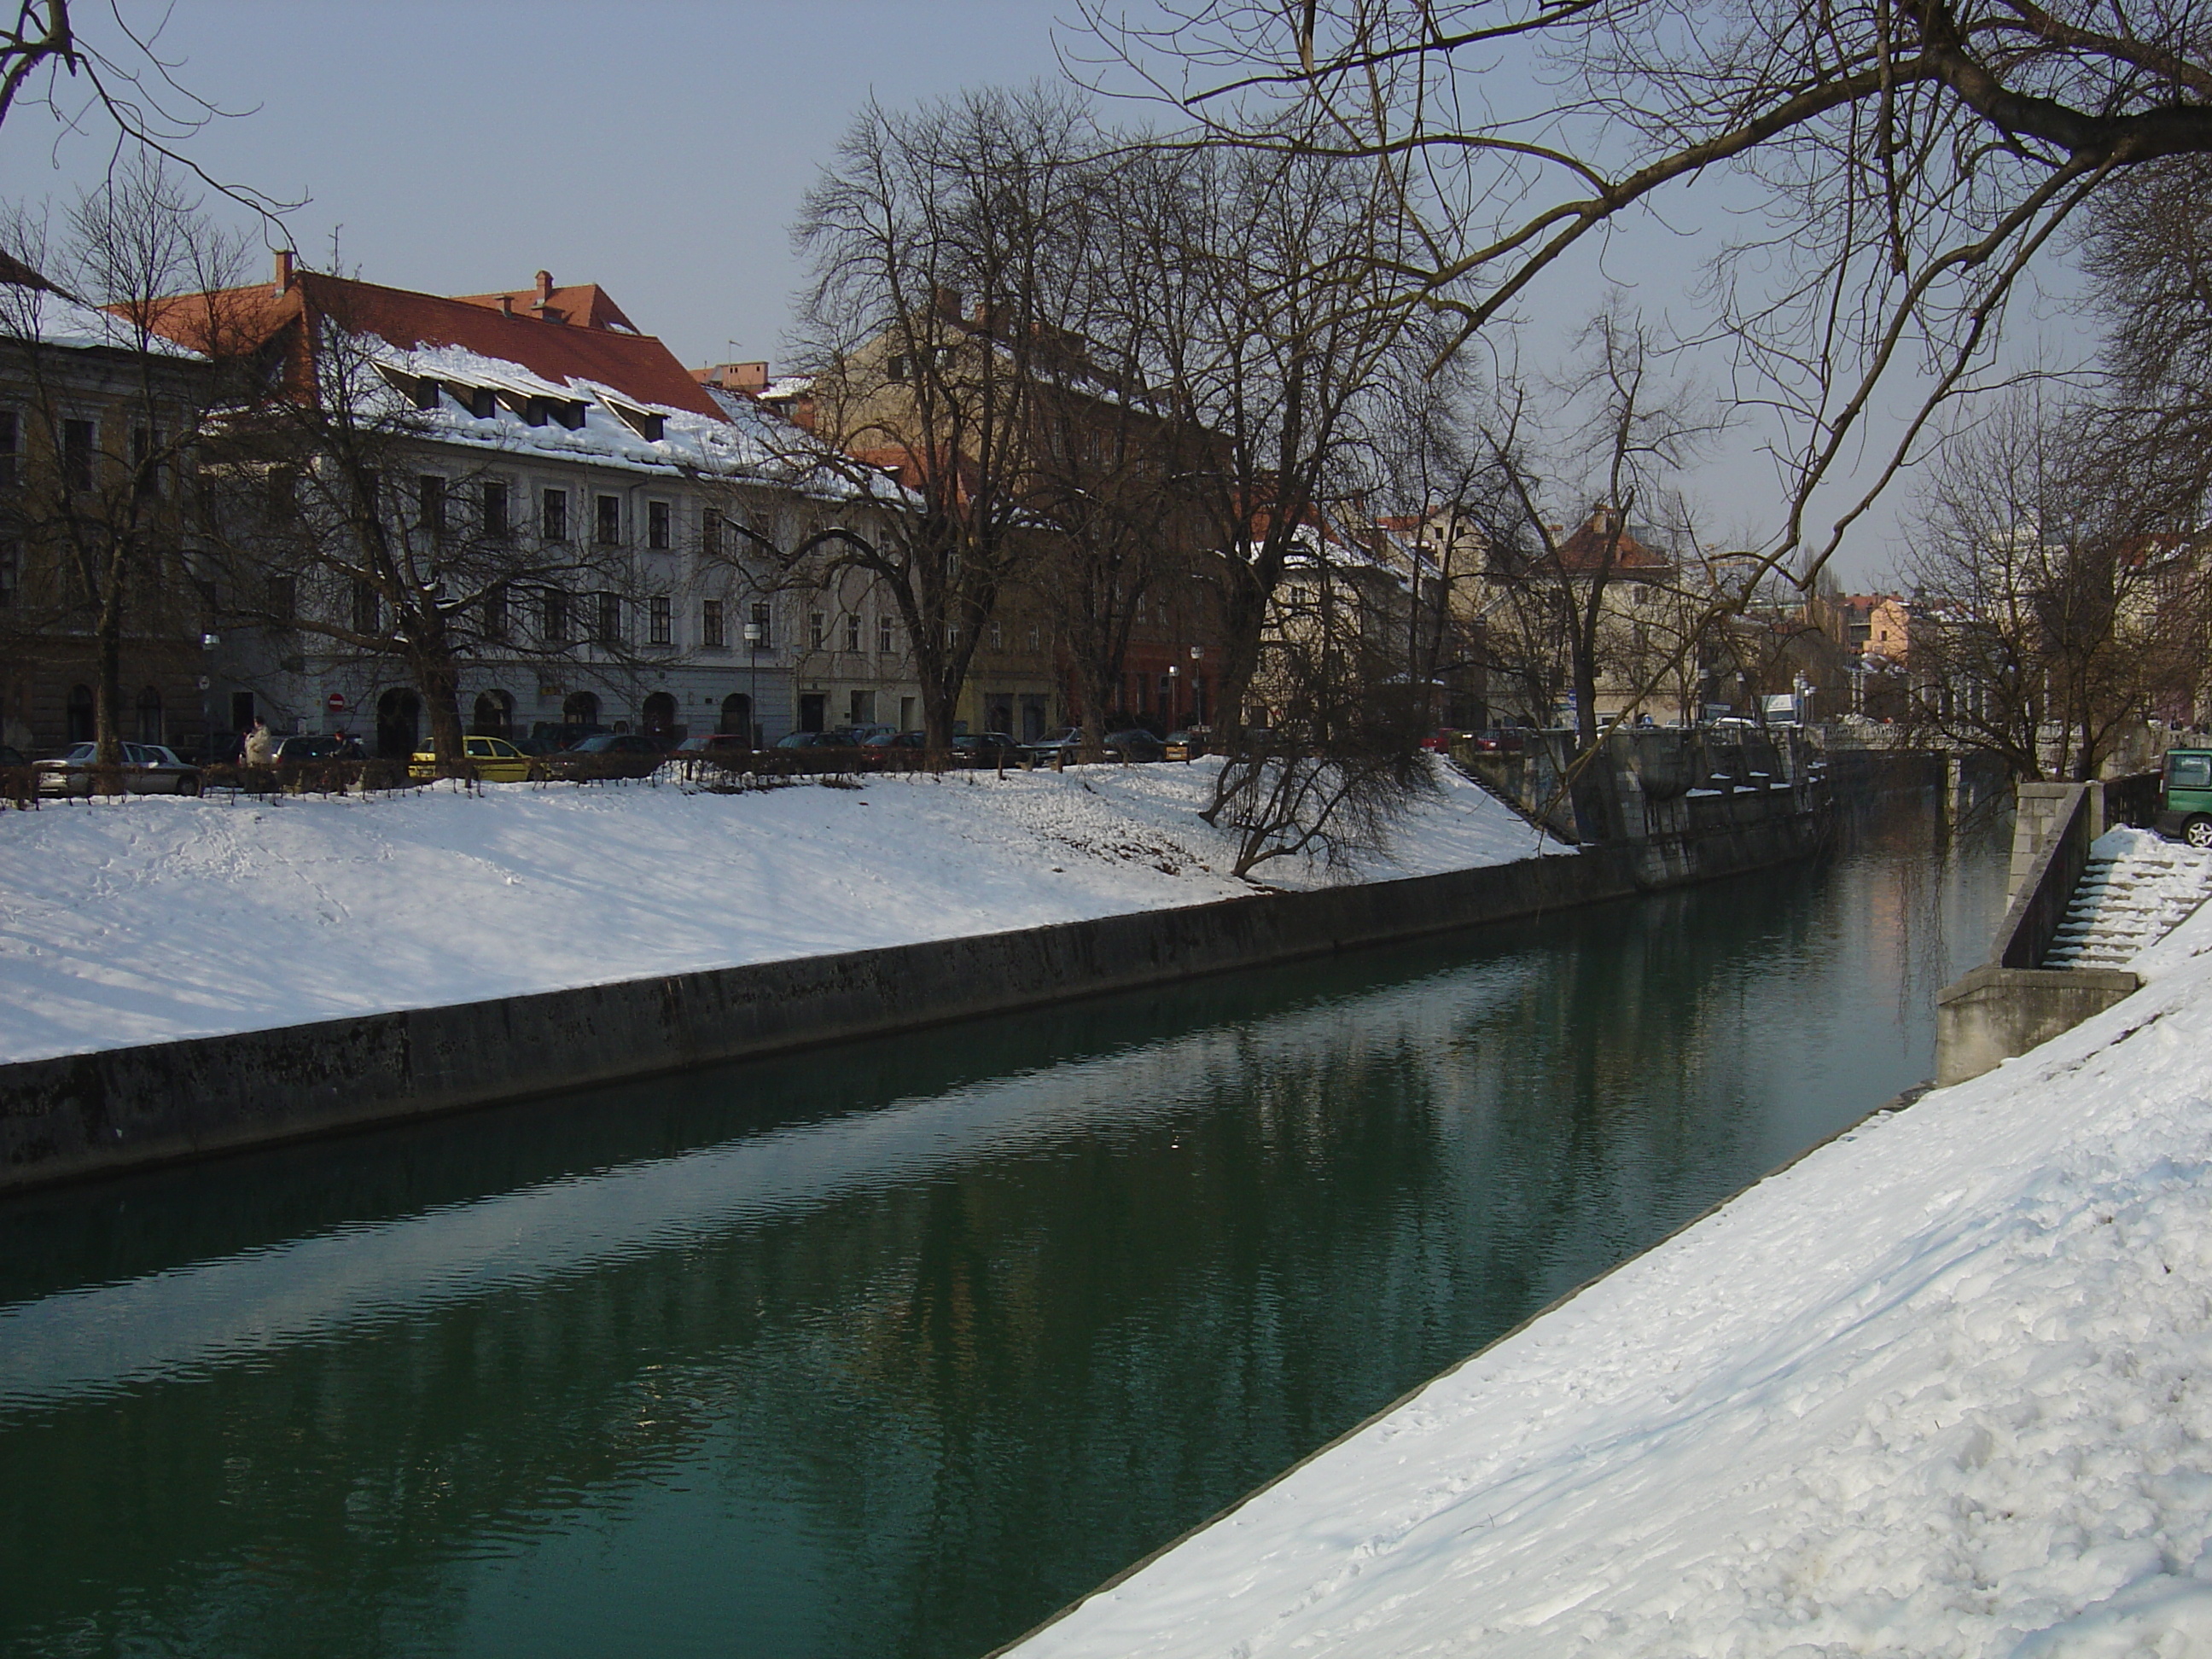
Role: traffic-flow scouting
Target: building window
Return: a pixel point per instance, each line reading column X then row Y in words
column 761, row 627
column 817, row 628
column 283, row 600
column 430, row 492
column 852, row 630
column 495, row 614
column 11, row 572
column 150, row 729
column 998, row 636
column 608, row 532
column 657, row 525
column 660, row 618
column 553, row 617
column 498, row 519
column 80, row 439
column 610, row 630
column 11, row 446
column 710, row 625
column 368, row 610
column 553, row 518
column 710, row 533
column 885, row 641
column 1036, row 637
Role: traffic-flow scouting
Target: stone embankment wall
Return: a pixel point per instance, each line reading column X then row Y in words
column 86, row 1114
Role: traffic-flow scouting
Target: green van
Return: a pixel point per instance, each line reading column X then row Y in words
column 2188, row 804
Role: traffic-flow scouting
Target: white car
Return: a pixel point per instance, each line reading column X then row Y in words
column 148, row 769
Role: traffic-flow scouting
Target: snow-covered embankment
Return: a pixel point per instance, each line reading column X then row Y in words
column 154, row 918
column 1943, row 1387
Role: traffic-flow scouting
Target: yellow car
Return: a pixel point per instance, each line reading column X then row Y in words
column 495, row 759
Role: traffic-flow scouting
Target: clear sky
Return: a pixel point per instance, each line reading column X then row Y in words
column 659, row 148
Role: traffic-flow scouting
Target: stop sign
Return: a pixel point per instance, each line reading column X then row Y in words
column 335, row 702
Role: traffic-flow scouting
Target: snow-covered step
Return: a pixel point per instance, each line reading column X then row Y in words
column 2138, row 888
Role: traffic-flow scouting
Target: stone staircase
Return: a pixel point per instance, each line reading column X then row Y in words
column 2135, row 889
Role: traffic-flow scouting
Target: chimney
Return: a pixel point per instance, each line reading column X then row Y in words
column 947, row 301
column 506, row 304
column 283, row 284
column 545, row 287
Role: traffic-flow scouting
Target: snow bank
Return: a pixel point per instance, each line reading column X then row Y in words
column 154, row 918
column 1942, row 1387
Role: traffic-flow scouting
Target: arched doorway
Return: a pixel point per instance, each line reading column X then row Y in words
column 660, row 715
column 738, row 715
column 398, row 724
column 150, row 716
column 582, row 708
column 80, row 714
column 494, row 715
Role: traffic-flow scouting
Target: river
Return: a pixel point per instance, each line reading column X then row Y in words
column 896, row 1348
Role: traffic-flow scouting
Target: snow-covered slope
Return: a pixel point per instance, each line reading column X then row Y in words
column 154, row 917
column 1944, row 1387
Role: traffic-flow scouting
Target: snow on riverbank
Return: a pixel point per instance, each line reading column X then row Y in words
column 152, row 917
column 1942, row 1387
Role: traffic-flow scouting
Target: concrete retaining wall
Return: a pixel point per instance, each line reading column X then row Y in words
column 85, row 1114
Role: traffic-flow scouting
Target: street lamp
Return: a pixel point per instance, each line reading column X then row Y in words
column 1197, row 694
column 752, row 701
column 1175, row 677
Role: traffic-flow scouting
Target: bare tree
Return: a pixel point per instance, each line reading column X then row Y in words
column 1901, row 164
column 949, row 251
column 1619, row 433
column 1279, row 319
column 117, row 414
column 2058, row 601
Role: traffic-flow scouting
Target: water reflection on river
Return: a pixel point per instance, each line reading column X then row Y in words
column 894, row 1350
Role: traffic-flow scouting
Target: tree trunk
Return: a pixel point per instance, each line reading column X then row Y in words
column 107, row 704
column 440, row 679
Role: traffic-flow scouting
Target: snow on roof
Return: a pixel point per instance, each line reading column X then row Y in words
column 47, row 315
column 746, row 442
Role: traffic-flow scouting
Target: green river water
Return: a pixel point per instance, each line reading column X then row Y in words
column 896, row 1348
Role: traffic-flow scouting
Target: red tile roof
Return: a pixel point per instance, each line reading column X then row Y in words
column 1587, row 550
column 585, row 306
column 636, row 365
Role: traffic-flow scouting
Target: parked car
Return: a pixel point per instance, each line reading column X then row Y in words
column 715, row 743
column 148, row 769
column 494, row 760
column 11, row 756
column 868, row 737
column 2185, row 807
column 567, row 734
column 1187, row 743
column 607, row 755
column 900, row 740
column 1067, row 741
column 317, row 745
column 986, row 748
column 1135, row 743
column 1499, row 740
column 812, row 740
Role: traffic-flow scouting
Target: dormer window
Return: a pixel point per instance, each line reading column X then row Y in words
column 569, row 414
column 426, row 393
column 479, row 400
column 648, row 425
